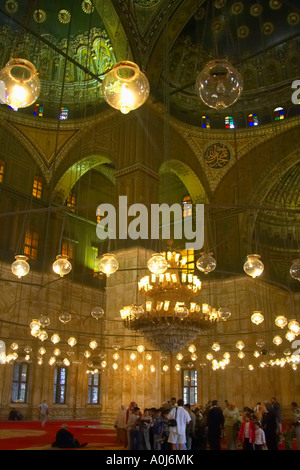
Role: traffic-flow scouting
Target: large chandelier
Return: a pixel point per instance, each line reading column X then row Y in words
column 171, row 319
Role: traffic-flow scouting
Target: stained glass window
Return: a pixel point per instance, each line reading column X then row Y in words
column 37, row 187
column 64, row 113
column 187, row 206
column 60, row 383
column 67, row 249
column 229, row 123
column 31, row 244
column 19, row 384
column 189, row 386
column 278, row 114
column 38, row 110
column 252, row 120
column 2, row 165
column 94, row 389
column 71, row 201
column 205, row 122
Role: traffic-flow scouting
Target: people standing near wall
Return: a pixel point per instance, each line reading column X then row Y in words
column 296, row 421
column 231, row 416
column 247, row 432
column 276, row 408
column 215, row 425
column 269, row 425
column 177, row 434
column 120, row 425
column 44, row 412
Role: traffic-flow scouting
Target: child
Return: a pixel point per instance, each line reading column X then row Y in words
column 260, row 438
column 247, row 432
column 289, row 435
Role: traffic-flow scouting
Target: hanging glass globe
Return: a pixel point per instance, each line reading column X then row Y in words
column 28, row 349
column 152, row 368
column 177, row 367
column 57, row 352
column 277, row 340
column 42, row 351
column 257, row 318
column 295, row 269
column 179, row 357
column 219, row 84
column 108, row 264
column 87, row 354
column 181, row 311
column 35, row 324
column 93, row 344
column 194, row 357
column 290, row 336
column 137, row 310
column 14, row 346
column 62, row 265
column 55, row 338
column 43, row 335
column 125, row 87
column 44, row 321
column 140, row 348
column 240, row 345
column 216, row 347
column 294, row 326
column 224, row 313
column 20, row 267
column 256, row 354
column 241, row 355
column 66, row 362
column 157, row 264
column 148, row 357
column 192, row 348
column 116, row 356
column 72, row 341
column 206, row 263
column 260, row 343
column 253, row 266
column 281, row 321
column 21, row 83
column 65, row 317
column 115, row 366
column 97, row 312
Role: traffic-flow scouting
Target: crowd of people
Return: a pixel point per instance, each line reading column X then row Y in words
column 178, row 425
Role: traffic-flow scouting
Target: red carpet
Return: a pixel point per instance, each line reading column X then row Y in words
column 25, row 435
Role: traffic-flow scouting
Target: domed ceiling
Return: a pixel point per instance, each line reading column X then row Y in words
column 75, row 43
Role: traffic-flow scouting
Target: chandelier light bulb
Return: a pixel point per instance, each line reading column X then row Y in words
column 14, row 346
column 192, row 348
column 250, row 367
column 260, row 343
column 108, row 264
column 148, row 357
column 157, row 264
column 43, row 335
column 42, row 351
column 87, row 354
column 103, row 364
column 152, row 368
column 116, row 356
column 290, row 336
column 219, row 84
column 241, row 355
column 224, row 313
column 132, row 356
column 66, row 362
column 280, row 321
column 140, row 348
column 21, row 83
column 20, row 267
column 57, row 352
column 93, row 344
column 294, row 326
column 295, row 269
column 125, row 87
column 179, row 357
column 206, row 263
column 253, row 266
column 216, row 347
column 115, row 366
column 256, row 354
column 65, row 317
column 177, row 367
column 62, row 265
column 257, row 318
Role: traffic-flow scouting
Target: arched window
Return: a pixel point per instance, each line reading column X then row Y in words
column 31, row 244
column 252, row 120
column 278, row 114
column 2, row 165
column 229, row 124
column 37, row 187
column 187, row 206
column 205, row 122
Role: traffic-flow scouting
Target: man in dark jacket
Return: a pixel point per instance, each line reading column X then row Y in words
column 215, row 425
column 65, row 440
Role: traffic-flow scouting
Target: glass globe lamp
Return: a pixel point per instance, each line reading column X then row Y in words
column 43, row 335
column 257, row 318
column 140, row 348
column 62, row 265
column 177, row 367
column 55, row 338
column 240, row 345
column 42, row 351
column 20, row 267
column 44, row 321
column 93, row 344
column 206, row 263
column 280, row 321
column 125, row 87
column 294, row 326
column 219, row 84
column 157, row 264
column 216, row 347
column 209, row 357
column 72, row 341
column 224, row 313
column 179, row 357
column 181, row 311
column 21, row 83
column 192, row 348
column 290, row 336
column 295, row 269
column 14, row 346
column 108, row 264
column 97, row 312
column 253, row 266
column 103, row 364
column 241, row 355
column 65, row 317
column 260, row 343
column 277, row 340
